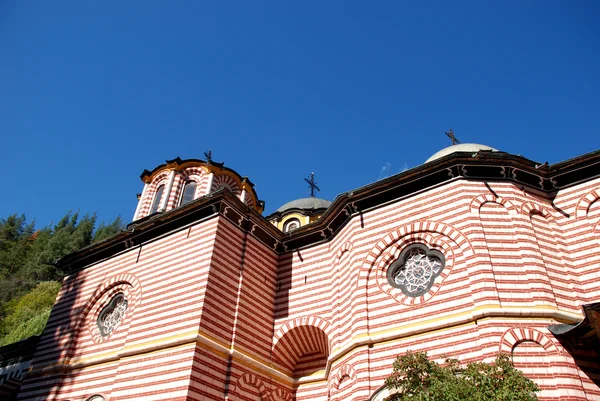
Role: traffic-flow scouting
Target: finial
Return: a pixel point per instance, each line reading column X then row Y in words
column 453, row 138
column 208, row 156
column 312, row 184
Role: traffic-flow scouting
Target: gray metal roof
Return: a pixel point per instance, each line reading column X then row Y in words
column 305, row 203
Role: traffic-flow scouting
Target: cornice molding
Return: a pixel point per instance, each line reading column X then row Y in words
column 481, row 166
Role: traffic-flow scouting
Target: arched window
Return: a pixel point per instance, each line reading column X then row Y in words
column 290, row 225
column 189, row 190
column 416, row 269
column 157, row 198
column 112, row 315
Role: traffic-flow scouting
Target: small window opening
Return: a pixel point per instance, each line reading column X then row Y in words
column 188, row 192
column 290, row 225
column 157, row 199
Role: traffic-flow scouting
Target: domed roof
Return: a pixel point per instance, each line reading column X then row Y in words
column 461, row 147
column 305, row 203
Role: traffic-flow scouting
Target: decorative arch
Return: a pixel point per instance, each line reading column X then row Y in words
column 479, row 201
column 315, row 321
column 345, row 371
column 248, row 381
column 194, row 173
column 529, row 208
column 303, row 350
column 583, row 206
column 513, row 337
column 345, row 247
column 279, row 394
column 405, row 231
column 157, row 181
column 110, row 286
column 228, row 180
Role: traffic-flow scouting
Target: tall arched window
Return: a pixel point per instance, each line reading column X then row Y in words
column 188, row 192
column 157, row 198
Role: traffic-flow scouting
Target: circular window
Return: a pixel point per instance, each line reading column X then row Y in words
column 416, row 269
column 290, row 225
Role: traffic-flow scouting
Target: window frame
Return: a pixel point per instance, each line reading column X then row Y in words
column 400, row 262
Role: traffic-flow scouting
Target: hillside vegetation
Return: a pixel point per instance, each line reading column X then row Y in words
column 29, row 281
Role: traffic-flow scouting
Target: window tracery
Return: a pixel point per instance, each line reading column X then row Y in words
column 112, row 315
column 416, row 269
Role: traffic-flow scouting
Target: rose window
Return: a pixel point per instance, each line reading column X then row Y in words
column 112, row 315
column 416, row 269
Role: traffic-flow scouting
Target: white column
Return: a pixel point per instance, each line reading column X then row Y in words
column 167, row 193
column 211, row 177
column 140, row 201
column 243, row 196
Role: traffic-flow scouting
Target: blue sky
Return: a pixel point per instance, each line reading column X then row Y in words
column 92, row 93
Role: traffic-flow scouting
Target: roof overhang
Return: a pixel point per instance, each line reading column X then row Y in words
column 481, row 166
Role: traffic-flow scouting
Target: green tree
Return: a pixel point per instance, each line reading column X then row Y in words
column 416, row 378
column 28, row 274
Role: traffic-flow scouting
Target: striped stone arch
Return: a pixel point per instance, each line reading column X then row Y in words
column 111, row 286
column 161, row 178
column 248, row 381
column 346, row 371
column 196, row 174
column 583, row 206
column 480, row 200
column 392, row 253
column 409, row 229
column 315, row 321
column 529, row 208
column 345, row 247
column 513, row 337
column 226, row 181
column 279, row 394
column 249, row 200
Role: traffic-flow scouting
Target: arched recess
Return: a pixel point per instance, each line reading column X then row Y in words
column 87, row 316
column 551, row 246
column 225, row 179
column 480, row 200
column 250, row 387
column 303, row 350
column 315, row 321
column 341, row 384
column 515, row 335
column 538, row 357
column 583, row 206
column 345, row 247
column 516, row 283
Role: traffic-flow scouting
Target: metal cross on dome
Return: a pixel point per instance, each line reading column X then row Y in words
column 450, row 134
column 312, row 184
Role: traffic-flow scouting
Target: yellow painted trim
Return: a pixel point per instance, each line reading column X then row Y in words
column 382, row 337
column 290, row 216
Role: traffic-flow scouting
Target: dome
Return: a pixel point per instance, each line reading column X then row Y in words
column 461, row 147
column 305, row 203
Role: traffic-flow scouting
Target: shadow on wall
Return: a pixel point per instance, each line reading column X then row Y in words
column 284, row 284
column 56, row 341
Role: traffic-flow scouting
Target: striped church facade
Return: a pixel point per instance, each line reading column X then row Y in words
column 221, row 305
